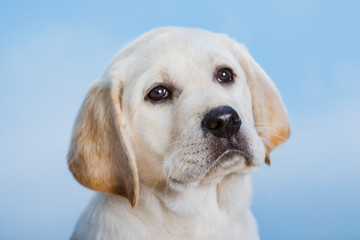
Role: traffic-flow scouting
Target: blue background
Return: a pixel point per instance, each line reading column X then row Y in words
column 51, row 51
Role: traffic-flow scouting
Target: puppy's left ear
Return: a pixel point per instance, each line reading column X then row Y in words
column 270, row 114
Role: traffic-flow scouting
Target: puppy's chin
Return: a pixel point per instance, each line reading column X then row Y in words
column 231, row 161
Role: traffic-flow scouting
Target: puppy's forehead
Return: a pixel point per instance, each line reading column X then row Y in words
column 178, row 49
column 184, row 56
column 188, row 46
column 181, row 39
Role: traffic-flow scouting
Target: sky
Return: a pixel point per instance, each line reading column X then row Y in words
column 50, row 52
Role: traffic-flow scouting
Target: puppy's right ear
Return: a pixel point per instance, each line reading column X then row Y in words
column 100, row 155
column 270, row 114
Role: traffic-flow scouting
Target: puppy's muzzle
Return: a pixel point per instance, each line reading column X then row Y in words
column 222, row 122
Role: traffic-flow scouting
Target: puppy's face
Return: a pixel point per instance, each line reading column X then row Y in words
column 189, row 111
column 178, row 107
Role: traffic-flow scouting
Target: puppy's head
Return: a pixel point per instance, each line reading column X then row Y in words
column 177, row 106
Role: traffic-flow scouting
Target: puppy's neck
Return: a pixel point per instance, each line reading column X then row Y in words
column 230, row 194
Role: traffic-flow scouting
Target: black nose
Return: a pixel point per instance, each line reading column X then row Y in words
column 222, row 122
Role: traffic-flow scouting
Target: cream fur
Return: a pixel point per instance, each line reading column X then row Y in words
column 149, row 160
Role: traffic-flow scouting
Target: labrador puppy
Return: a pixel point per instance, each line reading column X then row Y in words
column 170, row 136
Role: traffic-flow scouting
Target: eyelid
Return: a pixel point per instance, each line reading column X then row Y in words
column 218, row 68
column 166, row 85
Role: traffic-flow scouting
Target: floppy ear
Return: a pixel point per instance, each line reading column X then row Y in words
column 270, row 114
column 100, row 155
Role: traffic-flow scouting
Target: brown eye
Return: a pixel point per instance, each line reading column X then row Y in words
column 225, row 75
column 158, row 94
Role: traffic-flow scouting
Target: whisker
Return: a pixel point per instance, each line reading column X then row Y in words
column 265, row 128
column 275, row 135
column 273, row 124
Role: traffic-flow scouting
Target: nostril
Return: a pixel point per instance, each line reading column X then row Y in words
column 214, row 125
column 218, row 125
column 235, row 120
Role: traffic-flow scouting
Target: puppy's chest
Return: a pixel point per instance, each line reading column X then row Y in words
column 212, row 222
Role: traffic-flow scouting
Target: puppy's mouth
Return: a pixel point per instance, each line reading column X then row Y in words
column 228, row 161
column 215, row 157
column 231, row 154
column 227, row 149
